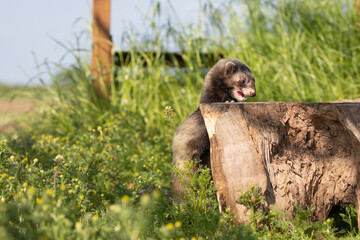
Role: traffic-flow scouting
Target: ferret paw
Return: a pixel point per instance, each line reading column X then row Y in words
column 232, row 101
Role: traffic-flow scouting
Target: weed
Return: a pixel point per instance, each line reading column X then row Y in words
column 271, row 223
column 254, row 200
column 199, row 211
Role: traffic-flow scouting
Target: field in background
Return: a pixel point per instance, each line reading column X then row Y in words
column 16, row 102
column 12, row 110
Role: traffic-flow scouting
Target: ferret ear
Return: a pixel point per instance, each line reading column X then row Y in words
column 230, row 68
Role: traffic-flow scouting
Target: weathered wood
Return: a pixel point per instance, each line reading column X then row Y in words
column 305, row 153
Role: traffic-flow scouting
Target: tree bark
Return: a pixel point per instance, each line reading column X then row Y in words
column 304, row 153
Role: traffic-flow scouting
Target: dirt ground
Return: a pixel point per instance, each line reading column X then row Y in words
column 11, row 110
column 15, row 107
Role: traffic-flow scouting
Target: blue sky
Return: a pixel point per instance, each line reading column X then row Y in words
column 29, row 27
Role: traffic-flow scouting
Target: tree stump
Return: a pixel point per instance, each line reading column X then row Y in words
column 304, row 153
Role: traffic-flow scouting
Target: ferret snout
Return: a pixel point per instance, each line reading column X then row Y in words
column 252, row 93
column 249, row 92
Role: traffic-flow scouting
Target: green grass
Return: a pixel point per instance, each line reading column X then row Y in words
column 77, row 168
column 31, row 93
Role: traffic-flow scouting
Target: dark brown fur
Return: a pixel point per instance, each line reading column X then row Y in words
column 222, row 84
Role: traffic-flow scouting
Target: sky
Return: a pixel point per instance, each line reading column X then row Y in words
column 31, row 31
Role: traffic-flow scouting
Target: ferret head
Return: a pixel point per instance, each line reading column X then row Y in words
column 239, row 80
column 228, row 80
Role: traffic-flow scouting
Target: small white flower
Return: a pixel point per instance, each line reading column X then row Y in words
column 59, row 158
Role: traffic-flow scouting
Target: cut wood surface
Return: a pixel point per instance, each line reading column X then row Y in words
column 304, row 153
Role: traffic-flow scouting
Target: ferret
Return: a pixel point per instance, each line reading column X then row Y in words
column 229, row 80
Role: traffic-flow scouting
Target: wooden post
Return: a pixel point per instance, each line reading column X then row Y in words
column 101, row 60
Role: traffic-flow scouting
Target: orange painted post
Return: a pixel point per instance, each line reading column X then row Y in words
column 101, row 59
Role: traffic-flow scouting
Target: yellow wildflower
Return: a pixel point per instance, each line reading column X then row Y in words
column 178, row 224
column 31, row 190
column 170, row 226
column 50, row 192
column 125, row 199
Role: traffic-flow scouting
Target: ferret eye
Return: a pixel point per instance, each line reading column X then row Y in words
column 242, row 81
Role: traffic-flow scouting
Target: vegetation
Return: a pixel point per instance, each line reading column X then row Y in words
column 83, row 167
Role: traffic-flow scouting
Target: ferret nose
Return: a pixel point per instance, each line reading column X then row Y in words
column 252, row 93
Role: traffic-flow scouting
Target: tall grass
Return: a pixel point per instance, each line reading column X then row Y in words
column 308, row 50
column 297, row 50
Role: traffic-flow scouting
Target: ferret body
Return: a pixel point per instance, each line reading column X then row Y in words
column 229, row 80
